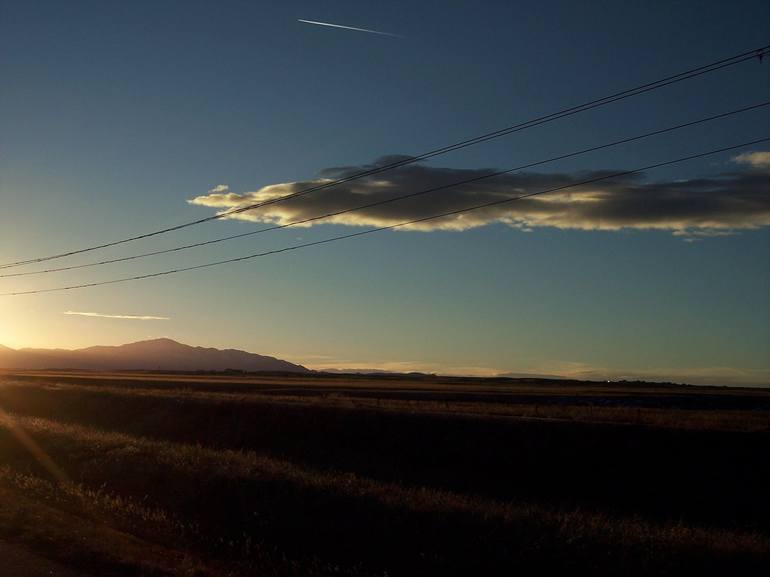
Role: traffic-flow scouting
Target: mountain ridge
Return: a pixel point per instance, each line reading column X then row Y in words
column 153, row 354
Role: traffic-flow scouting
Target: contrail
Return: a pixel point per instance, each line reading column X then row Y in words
column 129, row 317
column 348, row 28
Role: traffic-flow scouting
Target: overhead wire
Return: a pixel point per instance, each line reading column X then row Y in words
column 396, row 198
column 392, row 226
column 756, row 53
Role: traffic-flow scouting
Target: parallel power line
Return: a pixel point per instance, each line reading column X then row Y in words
column 395, row 198
column 757, row 53
column 392, row 226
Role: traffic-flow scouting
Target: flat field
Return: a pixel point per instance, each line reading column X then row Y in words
column 231, row 475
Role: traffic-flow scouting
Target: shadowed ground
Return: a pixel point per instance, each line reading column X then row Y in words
column 368, row 476
column 21, row 562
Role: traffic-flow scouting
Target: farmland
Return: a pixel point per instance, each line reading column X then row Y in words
column 192, row 474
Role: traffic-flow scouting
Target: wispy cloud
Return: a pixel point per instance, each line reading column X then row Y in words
column 315, row 23
column 125, row 317
column 695, row 208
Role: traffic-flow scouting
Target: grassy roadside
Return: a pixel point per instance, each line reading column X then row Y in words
column 257, row 504
column 285, row 479
column 661, row 473
column 81, row 542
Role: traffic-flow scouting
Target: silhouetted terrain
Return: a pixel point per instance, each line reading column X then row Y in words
column 156, row 354
column 133, row 474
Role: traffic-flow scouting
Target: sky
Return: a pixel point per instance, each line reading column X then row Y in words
column 119, row 118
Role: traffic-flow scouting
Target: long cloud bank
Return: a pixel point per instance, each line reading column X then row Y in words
column 711, row 206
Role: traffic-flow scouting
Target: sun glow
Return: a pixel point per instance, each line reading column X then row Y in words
column 6, row 340
column 8, row 336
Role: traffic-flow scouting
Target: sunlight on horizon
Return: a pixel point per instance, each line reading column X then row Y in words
column 6, row 340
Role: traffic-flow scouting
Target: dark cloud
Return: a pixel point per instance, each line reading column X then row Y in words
column 693, row 208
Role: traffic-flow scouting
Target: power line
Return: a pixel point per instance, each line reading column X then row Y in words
column 756, row 53
column 392, row 226
column 396, row 198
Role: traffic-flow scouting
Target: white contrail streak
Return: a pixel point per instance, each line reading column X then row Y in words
column 348, row 28
column 129, row 317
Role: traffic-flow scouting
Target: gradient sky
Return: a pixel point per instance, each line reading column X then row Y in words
column 113, row 115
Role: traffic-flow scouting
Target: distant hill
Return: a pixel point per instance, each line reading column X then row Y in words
column 156, row 354
column 373, row 372
column 533, row 376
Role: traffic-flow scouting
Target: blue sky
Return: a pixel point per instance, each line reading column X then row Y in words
column 114, row 115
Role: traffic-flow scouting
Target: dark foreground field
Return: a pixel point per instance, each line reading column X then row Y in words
column 130, row 474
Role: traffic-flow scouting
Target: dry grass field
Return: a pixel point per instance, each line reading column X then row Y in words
column 231, row 475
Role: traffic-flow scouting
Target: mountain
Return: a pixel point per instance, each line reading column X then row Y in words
column 156, row 354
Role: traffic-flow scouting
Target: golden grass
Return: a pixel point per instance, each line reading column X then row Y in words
column 285, row 509
column 102, row 450
column 27, row 516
